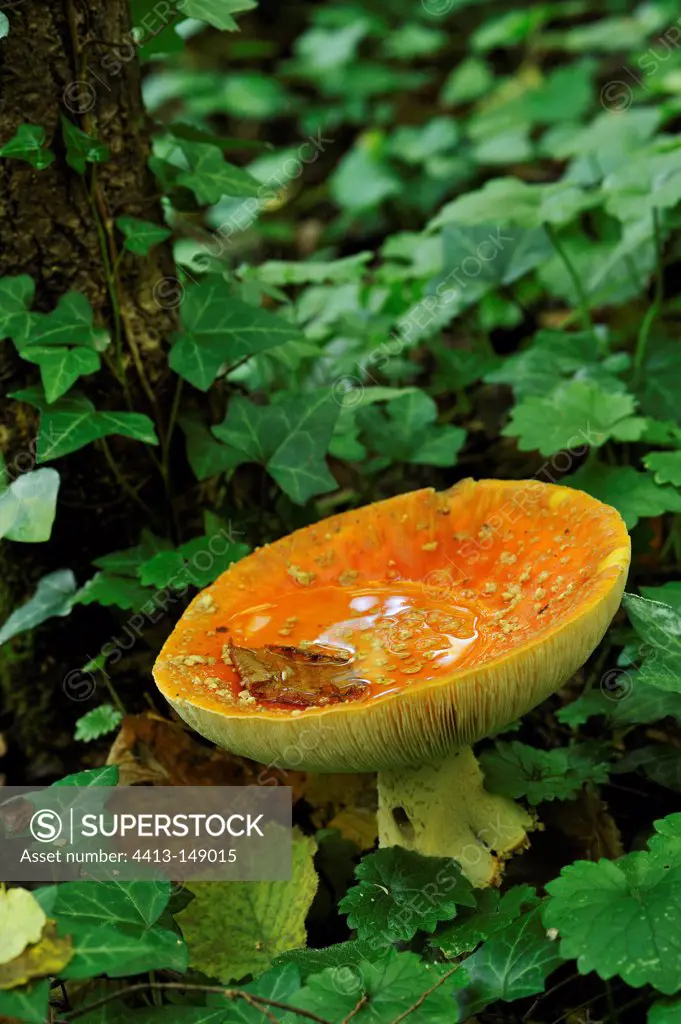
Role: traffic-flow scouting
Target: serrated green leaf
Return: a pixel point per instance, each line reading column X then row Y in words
column 29, row 144
column 614, row 918
column 98, row 722
column 666, row 466
column 384, row 906
column 265, row 918
column 571, row 416
column 141, row 235
column 106, row 589
column 515, row 769
column 634, row 494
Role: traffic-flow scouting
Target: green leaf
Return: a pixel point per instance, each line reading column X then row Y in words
column 106, row 589
column 60, row 368
column 552, row 353
column 128, row 561
column 16, row 297
column 4, row 30
column 265, row 918
column 221, row 330
column 210, row 176
column 217, row 13
column 512, row 201
column 663, row 1013
column 70, row 323
column 573, row 415
column 407, row 431
column 29, row 144
column 493, row 914
column 660, row 626
column 22, row 920
column 614, row 917
column 513, row 964
column 106, row 776
column 343, row 955
column 161, row 569
column 135, row 905
column 101, row 949
column 290, row 272
column 206, row 456
column 141, row 235
column 389, row 905
column 634, row 494
column 98, row 722
column 515, row 769
column 290, row 437
column 661, row 762
column 71, row 423
column 28, row 506
column 632, row 703
column 666, row 467
column 54, row 595
column 81, row 148
column 28, row 1003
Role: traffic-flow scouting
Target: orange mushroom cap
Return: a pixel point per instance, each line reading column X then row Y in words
column 458, row 612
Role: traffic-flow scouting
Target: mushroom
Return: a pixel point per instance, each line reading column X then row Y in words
column 393, row 637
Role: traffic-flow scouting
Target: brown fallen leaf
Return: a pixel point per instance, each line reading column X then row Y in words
column 302, row 676
column 153, row 749
column 46, row 957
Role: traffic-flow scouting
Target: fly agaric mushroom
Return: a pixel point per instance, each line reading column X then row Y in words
column 393, row 637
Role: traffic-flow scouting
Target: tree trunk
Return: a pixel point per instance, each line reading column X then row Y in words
column 58, row 226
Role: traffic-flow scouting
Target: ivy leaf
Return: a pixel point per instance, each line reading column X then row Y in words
column 289, row 437
column 141, row 235
column 634, row 494
column 105, row 776
column 60, row 368
column 29, row 144
column 71, row 423
column 70, row 323
column 265, row 918
column 407, row 432
column 98, row 722
column 28, row 506
column 660, row 626
column 666, row 467
column 661, row 1013
column 81, row 148
column 493, row 914
column 101, row 949
column 16, row 296
column 573, row 415
column 515, row 769
column 614, row 917
column 206, row 456
column 135, row 905
column 128, row 561
column 210, row 176
column 217, row 13
column 54, row 595
column 513, row 964
column 289, row 272
column 278, row 984
column 390, row 905
column 221, row 330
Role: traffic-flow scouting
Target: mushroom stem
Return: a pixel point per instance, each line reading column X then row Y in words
column 444, row 810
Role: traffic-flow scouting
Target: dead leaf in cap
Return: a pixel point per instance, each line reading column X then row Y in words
column 47, row 956
column 153, row 749
column 303, row 676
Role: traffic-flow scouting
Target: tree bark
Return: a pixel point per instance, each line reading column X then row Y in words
column 58, row 226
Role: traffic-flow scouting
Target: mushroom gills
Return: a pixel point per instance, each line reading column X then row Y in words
column 443, row 810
